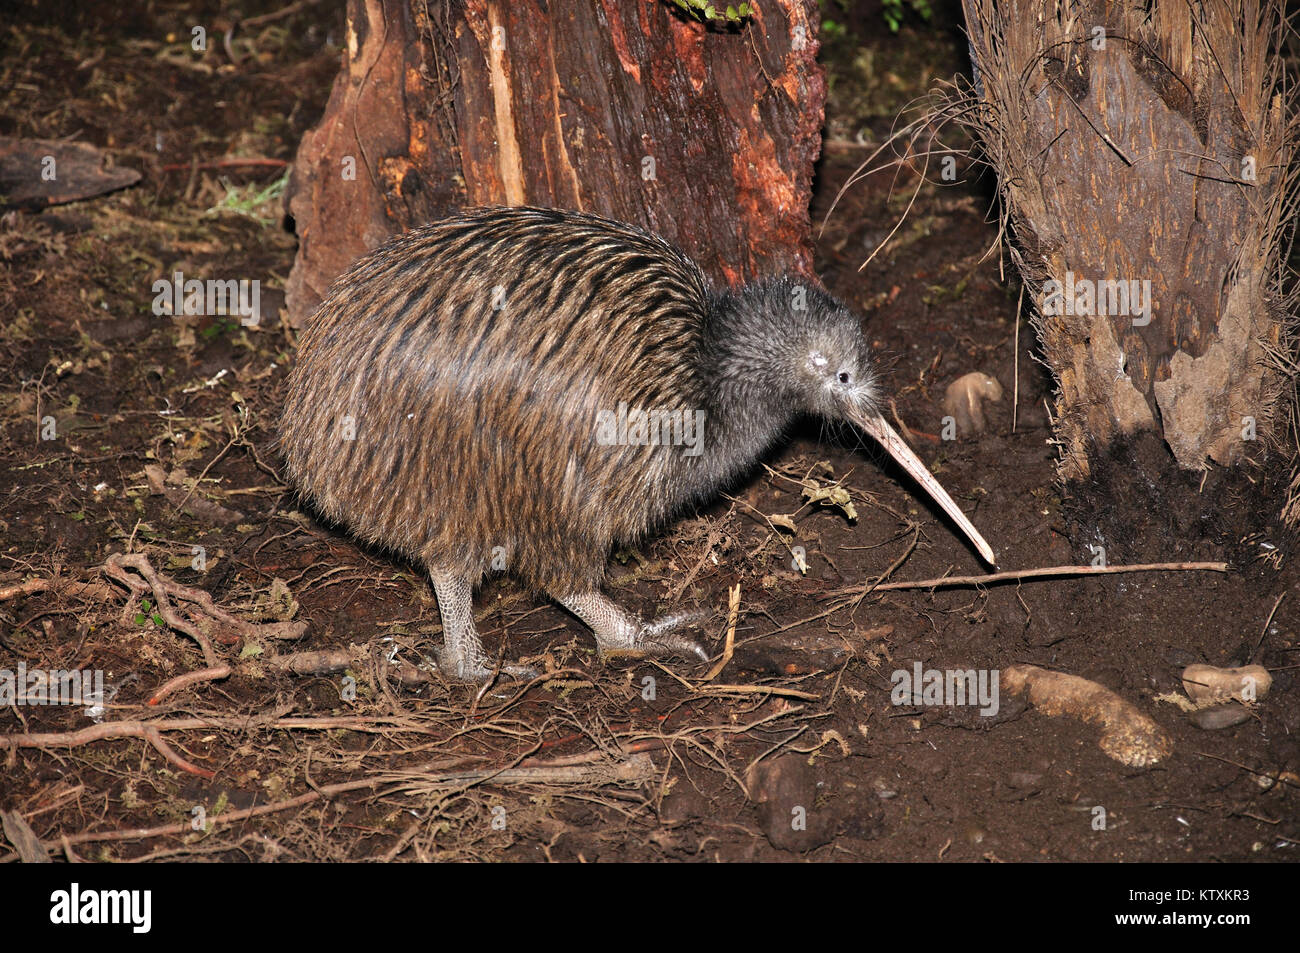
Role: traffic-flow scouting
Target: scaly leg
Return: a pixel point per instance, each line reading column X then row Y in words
column 620, row 632
column 462, row 655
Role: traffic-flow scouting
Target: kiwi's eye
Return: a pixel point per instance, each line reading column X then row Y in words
column 844, row 377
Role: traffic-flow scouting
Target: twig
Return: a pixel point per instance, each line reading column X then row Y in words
column 944, row 582
column 68, row 587
column 702, row 689
column 225, row 164
column 1088, row 119
column 115, row 567
column 729, row 646
column 916, row 538
column 766, row 519
column 1276, row 776
column 277, row 14
column 25, row 588
column 151, row 735
column 712, row 538
column 1045, row 572
column 1264, row 631
column 211, row 674
column 776, row 690
column 130, row 729
column 113, row 729
column 1015, row 364
column 211, row 463
column 633, row 768
column 636, row 768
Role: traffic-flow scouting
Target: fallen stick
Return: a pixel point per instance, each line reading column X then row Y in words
column 138, row 729
column 1050, row 571
column 776, row 690
column 113, row 729
column 636, row 768
column 729, row 647
column 164, row 589
column 994, row 577
column 68, row 587
column 226, row 164
column 214, row 673
column 313, row 662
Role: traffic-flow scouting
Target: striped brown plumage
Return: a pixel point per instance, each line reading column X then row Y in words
column 446, row 393
column 474, row 424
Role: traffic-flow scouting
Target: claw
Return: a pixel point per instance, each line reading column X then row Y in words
column 671, row 645
column 657, row 638
column 620, row 633
column 479, row 670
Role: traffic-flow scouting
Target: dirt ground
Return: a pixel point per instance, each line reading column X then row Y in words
column 122, row 432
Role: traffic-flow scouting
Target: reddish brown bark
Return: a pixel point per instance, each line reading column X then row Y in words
column 620, row 107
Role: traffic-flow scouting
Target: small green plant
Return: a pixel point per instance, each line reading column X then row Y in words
column 142, row 617
column 220, row 326
column 895, row 10
column 833, row 29
column 247, row 200
column 706, row 12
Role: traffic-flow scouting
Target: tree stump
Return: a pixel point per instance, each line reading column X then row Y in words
column 1146, row 158
column 625, row 108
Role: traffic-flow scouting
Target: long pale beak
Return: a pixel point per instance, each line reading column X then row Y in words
column 875, row 425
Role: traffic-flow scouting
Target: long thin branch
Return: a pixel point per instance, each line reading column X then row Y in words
column 944, row 582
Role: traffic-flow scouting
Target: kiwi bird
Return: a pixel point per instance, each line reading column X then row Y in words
column 526, row 388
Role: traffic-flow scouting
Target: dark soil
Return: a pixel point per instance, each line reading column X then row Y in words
column 161, row 442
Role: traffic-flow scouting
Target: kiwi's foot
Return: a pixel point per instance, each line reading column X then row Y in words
column 660, row 636
column 480, row 669
column 620, row 634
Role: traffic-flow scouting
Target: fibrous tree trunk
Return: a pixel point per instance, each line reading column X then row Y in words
column 626, row 108
column 1146, row 159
